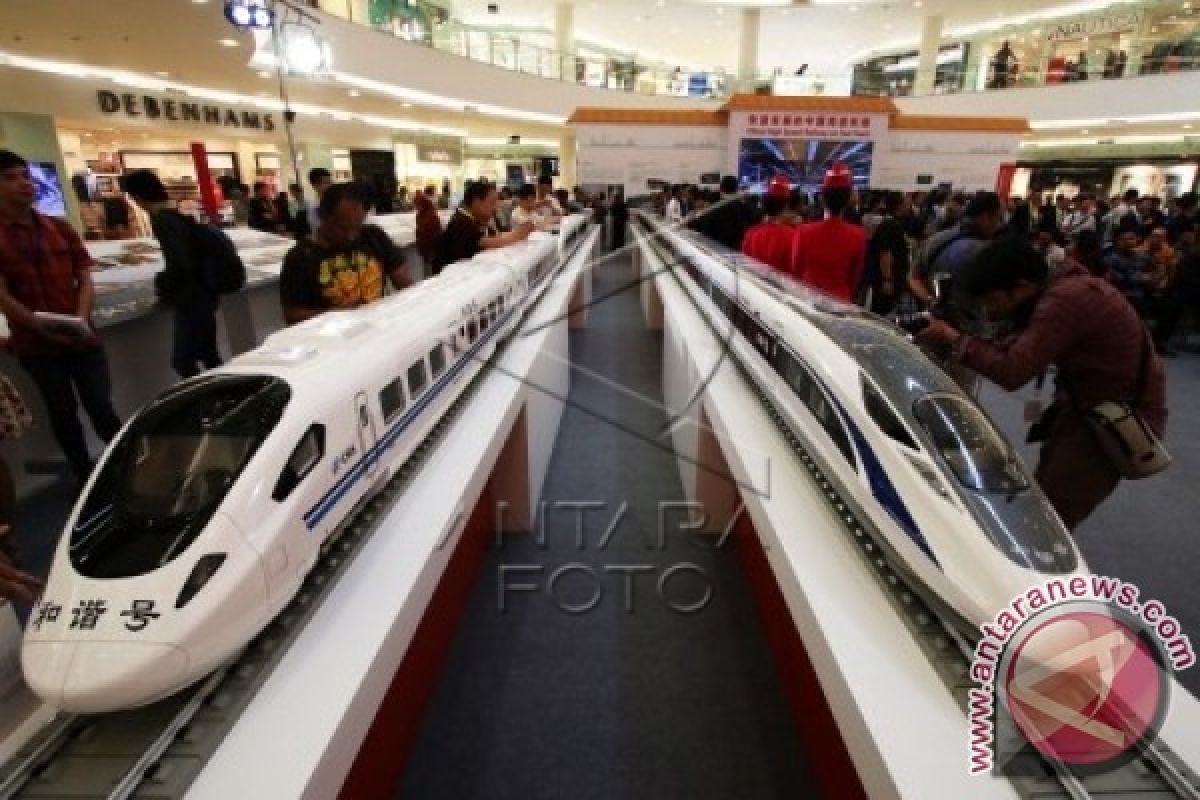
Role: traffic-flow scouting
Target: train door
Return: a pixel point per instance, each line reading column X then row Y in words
column 366, row 431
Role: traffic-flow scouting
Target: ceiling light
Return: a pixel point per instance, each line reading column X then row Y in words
column 229, row 42
column 354, row 93
column 406, row 105
column 1084, row 132
column 199, row 2
column 918, row 3
column 1188, row 126
column 262, row 73
column 163, row 74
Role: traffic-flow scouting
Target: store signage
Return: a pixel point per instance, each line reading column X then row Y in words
column 434, row 154
column 808, row 124
column 1096, row 26
column 143, row 105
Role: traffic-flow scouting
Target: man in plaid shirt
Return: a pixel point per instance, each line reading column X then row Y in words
column 45, row 268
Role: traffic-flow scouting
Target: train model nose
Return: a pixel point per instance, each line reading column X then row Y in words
column 98, row 677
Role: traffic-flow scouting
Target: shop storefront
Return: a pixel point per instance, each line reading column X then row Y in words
column 1166, row 178
column 895, row 75
column 1119, row 41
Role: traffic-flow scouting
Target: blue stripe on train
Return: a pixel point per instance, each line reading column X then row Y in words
column 326, row 504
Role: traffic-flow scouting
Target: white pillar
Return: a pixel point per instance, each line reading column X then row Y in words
column 931, row 40
column 564, row 26
column 567, row 155
column 748, row 45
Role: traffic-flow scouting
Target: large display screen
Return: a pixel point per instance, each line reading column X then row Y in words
column 48, row 189
column 803, row 161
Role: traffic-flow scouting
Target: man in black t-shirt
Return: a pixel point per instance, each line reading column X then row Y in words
column 343, row 266
column 467, row 232
column 888, row 257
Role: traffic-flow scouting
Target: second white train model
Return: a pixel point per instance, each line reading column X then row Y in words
column 210, row 507
column 944, row 489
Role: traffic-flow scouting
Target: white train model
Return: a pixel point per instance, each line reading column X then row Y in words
column 208, row 510
column 953, row 506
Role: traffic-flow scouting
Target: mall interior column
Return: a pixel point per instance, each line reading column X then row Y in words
column 931, row 40
column 748, row 47
column 564, row 26
column 566, row 160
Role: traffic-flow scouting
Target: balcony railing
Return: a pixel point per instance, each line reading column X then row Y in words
column 955, row 81
column 515, row 52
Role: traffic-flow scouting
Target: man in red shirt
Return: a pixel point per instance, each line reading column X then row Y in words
column 829, row 255
column 45, row 268
column 771, row 240
column 1085, row 328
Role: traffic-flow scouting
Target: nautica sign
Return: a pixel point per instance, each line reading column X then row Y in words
column 1094, row 26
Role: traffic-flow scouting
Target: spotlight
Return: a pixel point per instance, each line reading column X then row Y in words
column 248, row 14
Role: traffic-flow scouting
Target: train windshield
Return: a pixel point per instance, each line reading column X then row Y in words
column 970, row 445
column 170, row 470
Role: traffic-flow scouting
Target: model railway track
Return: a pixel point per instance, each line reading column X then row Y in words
column 1155, row 772
column 156, row 752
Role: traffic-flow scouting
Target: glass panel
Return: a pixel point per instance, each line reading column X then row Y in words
column 970, row 445
column 391, row 400
column 437, row 361
column 418, row 379
column 306, row 456
column 169, row 471
column 885, row 418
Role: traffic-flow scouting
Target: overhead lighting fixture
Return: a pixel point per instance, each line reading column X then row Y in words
column 262, row 73
column 162, row 74
column 354, row 93
column 229, row 42
column 249, row 14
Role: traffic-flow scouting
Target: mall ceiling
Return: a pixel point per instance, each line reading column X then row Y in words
column 824, row 34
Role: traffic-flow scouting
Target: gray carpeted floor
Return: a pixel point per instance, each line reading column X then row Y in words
column 535, row 702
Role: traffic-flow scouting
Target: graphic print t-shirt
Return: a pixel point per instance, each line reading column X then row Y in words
column 315, row 276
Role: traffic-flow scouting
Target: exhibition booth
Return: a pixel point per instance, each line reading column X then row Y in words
column 757, row 137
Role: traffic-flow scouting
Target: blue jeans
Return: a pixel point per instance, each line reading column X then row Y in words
column 60, row 378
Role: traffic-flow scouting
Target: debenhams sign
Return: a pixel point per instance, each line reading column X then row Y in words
column 143, row 105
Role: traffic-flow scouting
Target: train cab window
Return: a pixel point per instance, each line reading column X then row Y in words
column 304, row 459
column 437, row 361
column 970, row 445
column 170, row 470
column 418, row 379
column 391, row 400
column 884, row 417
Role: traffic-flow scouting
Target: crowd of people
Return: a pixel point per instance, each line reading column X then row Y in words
column 1004, row 289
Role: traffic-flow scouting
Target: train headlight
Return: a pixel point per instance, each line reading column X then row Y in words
column 202, row 573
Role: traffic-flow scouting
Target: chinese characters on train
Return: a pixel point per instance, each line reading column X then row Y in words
column 87, row 615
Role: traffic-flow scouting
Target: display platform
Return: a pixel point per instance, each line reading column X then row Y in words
column 306, row 728
column 900, row 727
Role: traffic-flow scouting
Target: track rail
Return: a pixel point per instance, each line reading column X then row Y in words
column 155, row 752
column 1155, row 772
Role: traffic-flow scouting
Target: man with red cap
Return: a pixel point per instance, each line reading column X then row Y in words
column 829, row 255
column 771, row 240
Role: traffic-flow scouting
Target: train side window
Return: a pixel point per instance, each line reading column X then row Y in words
column 885, row 418
column 418, row 379
column 391, row 400
column 483, row 321
column 472, row 330
column 437, row 361
column 304, row 459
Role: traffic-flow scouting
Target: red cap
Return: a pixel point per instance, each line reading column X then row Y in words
column 780, row 186
column 838, row 177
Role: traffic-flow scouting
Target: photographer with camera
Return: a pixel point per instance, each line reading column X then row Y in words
column 1110, row 383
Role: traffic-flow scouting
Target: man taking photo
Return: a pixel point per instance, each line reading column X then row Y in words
column 1084, row 327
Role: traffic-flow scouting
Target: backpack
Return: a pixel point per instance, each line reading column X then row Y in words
column 221, row 268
